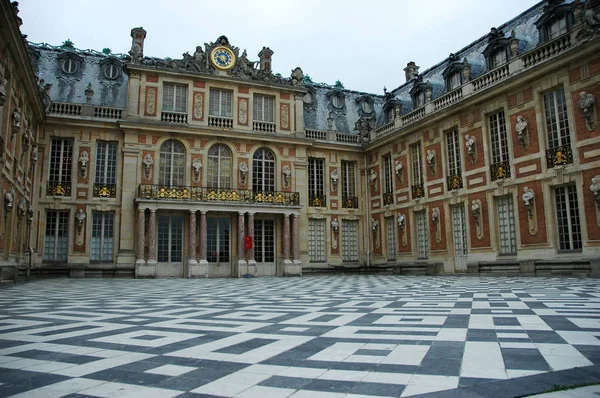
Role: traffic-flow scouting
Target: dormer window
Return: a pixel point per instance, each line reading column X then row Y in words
column 453, row 74
column 111, row 71
column 366, row 107
column 390, row 115
column 337, row 101
column 498, row 57
column 497, row 52
column 419, row 98
column 455, row 80
column 69, row 66
column 556, row 20
column 557, row 28
column 308, row 98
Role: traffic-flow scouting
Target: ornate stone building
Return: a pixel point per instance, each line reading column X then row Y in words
column 212, row 165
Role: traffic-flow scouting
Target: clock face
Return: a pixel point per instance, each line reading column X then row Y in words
column 222, row 58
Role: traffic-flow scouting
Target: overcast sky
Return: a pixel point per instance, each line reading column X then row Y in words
column 365, row 44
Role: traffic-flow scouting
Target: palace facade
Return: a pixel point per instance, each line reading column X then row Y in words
column 213, row 165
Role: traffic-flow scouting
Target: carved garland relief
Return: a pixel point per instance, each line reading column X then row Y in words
column 198, row 106
column 285, row 116
column 151, row 101
column 243, row 111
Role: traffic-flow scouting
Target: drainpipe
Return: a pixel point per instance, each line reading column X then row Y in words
column 367, row 228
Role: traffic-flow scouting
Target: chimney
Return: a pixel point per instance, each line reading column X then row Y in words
column 411, row 71
column 137, row 43
column 265, row 58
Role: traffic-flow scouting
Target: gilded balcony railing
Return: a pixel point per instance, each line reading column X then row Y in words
column 210, row 194
column 317, row 200
column 105, row 190
column 58, row 188
column 417, row 191
column 559, row 156
column 454, row 182
column 349, row 202
column 388, row 198
column 500, row 170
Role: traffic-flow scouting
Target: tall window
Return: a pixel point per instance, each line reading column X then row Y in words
column 56, row 239
column 557, row 28
column 454, row 167
column 263, row 170
column 387, row 174
column 391, row 238
column 557, row 122
column 102, row 236
column 419, row 99
column 172, row 163
column 221, row 103
column 417, row 171
column 106, row 162
column 567, row 217
column 219, row 166
column 316, row 196
column 349, row 240
column 61, row 157
column 500, row 167
column 422, row 235
column 506, row 226
column 349, row 198
column 264, row 108
column 174, row 98
column 455, row 80
column 316, row 240
column 499, row 57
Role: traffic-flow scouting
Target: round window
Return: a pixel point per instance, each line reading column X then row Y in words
column 337, row 101
column 111, row 71
column 366, row 107
column 69, row 66
column 308, row 98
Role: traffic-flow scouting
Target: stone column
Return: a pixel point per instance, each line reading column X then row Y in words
column 295, row 238
column 152, row 237
column 192, row 237
column 203, row 237
column 286, row 238
column 141, row 236
column 129, row 184
column 251, row 233
column 242, row 264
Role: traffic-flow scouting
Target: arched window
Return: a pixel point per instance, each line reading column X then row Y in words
column 263, row 170
column 172, row 163
column 219, row 166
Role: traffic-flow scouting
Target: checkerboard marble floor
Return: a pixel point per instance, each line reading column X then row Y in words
column 317, row 337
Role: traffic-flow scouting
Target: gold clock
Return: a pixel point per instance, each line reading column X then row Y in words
column 222, row 58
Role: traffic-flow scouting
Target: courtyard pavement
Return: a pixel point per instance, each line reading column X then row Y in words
column 316, row 337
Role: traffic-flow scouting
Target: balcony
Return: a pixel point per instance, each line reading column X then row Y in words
column 85, row 111
column 349, row 202
column 454, row 182
column 58, row 188
column 209, row 194
column 174, row 117
column 332, row 136
column 220, row 122
column 500, row 170
column 559, row 156
column 105, row 190
column 388, row 198
column 317, row 200
column 417, row 191
column 264, row 127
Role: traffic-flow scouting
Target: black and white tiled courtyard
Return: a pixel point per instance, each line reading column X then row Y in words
column 316, row 337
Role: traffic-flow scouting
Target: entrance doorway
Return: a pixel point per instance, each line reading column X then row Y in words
column 170, row 246
column 459, row 231
column 264, row 247
column 218, row 252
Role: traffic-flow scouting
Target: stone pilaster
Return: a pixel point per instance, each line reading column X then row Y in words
column 242, row 264
column 295, row 238
column 203, row 236
column 286, row 239
column 192, row 237
column 291, row 267
column 251, row 262
column 141, row 236
column 129, row 184
column 152, row 237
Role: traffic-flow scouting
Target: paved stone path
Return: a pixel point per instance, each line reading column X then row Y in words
column 317, row 337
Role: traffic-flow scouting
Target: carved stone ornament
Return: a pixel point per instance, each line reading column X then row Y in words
column 29, row 214
column 16, row 122
column 3, row 83
column 374, row 224
column 243, row 112
column 431, row 160
column 27, row 139
column 9, row 197
column 586, row 105
column 22, row 208
column 373, row 180
column 514, row 44
column 335, row 225
column 45, row 94
column 398, row 169
column 243, row 172
column 148, row 162
column 34, row 154
column 287, row 174
column 595, row 188
column 435, row 216
column 591, row 21
column 80, row 219
column 466, row 71
column 528, row 200
column 364, row 126
column 521, row 129
column 476, row 211
column 89, row 93
column 470, row 142
column 197, row 166
column 334, row 179
column 401, row 220
column 84, row 159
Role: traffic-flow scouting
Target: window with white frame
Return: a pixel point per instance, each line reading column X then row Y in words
column 557, row 27
column 103, row 229
column 106, row 162
column 455, row 80
column 220, row 103
column 219, row 166
column 387, row 174
column 453, row 144
column 264, row 108
column 391, row 238
column 419, row 99
column 172, row 164
column 263, row 170
column 348, row 179
column 56, row 238
column 506, row 226
column 422, row 235
column 61, row 158
column 417, row 164
column 499, row 137
column 349, row 240
column 567, row 218
column 557, row 121
column 174, row 98
column 315, row 182
column 316, row 240
column 499, row 57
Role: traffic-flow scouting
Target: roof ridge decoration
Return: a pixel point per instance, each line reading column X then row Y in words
column 591, row 19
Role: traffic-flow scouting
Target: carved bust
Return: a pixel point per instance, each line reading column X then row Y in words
column 80, row 217
column 197, row 165
column 9, row 197
column 401, row 220
column 521, row 125
column 148, row 162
